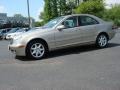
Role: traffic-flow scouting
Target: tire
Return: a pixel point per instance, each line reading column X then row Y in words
column 36, row 50
column 102, row 41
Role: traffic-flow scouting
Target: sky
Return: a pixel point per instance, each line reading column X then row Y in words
column 12, row 7
column 112, row 1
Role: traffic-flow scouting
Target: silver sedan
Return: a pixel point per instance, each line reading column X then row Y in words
column 62, row 32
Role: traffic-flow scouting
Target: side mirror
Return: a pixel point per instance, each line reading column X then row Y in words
column 60, row 27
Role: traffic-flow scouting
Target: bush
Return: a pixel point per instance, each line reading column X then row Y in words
column 94, row 7
column 113, row 14
column 38, row 24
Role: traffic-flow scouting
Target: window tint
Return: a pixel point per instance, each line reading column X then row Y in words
column 86, row 20
column 70, row 22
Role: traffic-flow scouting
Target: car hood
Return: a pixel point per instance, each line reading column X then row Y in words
column 32, row 33
column 15, row 33
column 35, row 32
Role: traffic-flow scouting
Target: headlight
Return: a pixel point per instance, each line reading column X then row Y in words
column 17, row 39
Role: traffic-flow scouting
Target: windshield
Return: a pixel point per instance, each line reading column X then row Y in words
column 21, row 30
column 52, row 23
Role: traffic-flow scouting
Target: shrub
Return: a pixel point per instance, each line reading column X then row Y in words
column 94, row 7
column 113, row 14
column 38, row 24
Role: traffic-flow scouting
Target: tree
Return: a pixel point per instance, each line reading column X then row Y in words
column 55, row 8
column 113, row 14
column 17, row 16
column 61, row 7
column 50, row 10
column 42, row 15
column 77, row 2
column 38, row 24
column 70, row 5
column 47, row 10
column 95, row 7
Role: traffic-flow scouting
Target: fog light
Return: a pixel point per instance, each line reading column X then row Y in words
column 13, row 51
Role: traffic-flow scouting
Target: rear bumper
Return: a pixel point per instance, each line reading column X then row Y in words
column 19, row 50
column 112, row 34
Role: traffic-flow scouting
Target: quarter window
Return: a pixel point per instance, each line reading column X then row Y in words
column 86, row 20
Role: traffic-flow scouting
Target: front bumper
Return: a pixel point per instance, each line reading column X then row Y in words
column 19, row 50
column 0, row 37
column 8, row 37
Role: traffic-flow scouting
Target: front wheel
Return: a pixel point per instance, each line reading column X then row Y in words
column 102, row 41
column 36, row 50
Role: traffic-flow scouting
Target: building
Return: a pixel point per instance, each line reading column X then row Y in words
column 3, row 18
column 23, row 20
column 18, row 20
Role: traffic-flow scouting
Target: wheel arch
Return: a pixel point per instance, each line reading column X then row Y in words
column 105, row 33
column 39, row 39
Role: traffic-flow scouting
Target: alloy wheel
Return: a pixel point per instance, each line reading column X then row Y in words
column 102, row 41
column 37, row 50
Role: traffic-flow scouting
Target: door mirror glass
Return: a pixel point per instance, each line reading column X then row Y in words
column 60, row 27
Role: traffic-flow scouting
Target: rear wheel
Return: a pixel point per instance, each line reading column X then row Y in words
column 102, row 41
column 36, row 49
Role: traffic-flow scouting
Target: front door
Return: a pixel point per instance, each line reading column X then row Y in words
column 67, row 36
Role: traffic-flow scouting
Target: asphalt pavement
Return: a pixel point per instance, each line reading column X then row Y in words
column 78, row 68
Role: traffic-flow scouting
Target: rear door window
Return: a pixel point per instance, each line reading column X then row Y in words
column 86, row 20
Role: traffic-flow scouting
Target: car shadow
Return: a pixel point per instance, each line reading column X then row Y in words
column 68, row 51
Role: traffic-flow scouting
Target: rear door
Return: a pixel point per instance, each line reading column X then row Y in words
column 87, row 28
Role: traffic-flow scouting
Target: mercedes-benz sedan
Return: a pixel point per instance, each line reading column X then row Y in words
column 62, row 32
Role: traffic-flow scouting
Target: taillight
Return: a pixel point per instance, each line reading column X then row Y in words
column 114, row 27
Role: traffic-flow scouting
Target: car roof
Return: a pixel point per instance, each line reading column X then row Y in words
column 78, row 15
column 95, row 17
